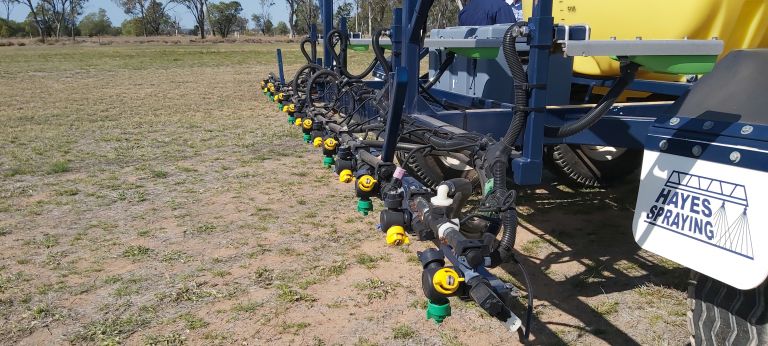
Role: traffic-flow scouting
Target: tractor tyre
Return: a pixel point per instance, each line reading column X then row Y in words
column 430, row 171
column 592, row 166
column 724, row 315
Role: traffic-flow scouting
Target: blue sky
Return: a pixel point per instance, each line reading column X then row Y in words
column 279, row 11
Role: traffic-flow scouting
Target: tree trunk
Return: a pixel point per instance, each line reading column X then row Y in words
column 370, row 28
column 291, row 18
column 73, row 14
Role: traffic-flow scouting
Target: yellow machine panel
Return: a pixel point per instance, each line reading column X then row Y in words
column 739, row 23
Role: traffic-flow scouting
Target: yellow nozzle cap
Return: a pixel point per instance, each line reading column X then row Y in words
column 330, row 143
column 307, row 124
column 396, row 236
column 366, row 183
column 346, row 176
column 317, row 142
column 446, row 281
column 291, row 107
column 297, row 122
column 285, row 109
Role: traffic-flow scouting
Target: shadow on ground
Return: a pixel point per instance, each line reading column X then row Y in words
column 591, row 253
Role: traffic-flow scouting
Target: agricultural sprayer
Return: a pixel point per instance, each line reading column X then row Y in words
column 594, row 92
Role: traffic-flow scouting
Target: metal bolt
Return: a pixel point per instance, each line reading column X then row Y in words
column 613, row 38
column 674, row 121
column 747, row 129
column 663, row 145
column 696, row 151
column 708, row 125
column 735, row 156
column 639, row 38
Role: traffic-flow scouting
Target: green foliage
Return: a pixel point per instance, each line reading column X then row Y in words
column 268, row 27
column 9, row 28
column 344, row 10
column 96, row 24
column 224, row 16
column 149, row 18
column 307, row 13
column 282, row 28
column 59, row 166
column 132, row 27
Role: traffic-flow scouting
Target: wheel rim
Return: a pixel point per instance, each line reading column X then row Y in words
column 602, row 153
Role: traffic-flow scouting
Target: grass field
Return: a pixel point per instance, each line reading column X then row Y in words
column 150, row 195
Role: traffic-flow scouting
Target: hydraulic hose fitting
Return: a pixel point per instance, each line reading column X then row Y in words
column 365, row 189
column 329, row 149
column 317, row 132
column 306, row 124
column 346, row 176
column 438, row 312
column 345, row 163
column 306, row 127
column 364, row 206
column 330, row 144
column 446, row 281
column 396, row 236
column 366, row 183
column 438, row 282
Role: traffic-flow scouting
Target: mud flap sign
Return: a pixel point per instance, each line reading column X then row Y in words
column 704, row 215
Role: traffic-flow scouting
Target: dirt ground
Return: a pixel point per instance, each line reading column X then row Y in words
column 149, row 195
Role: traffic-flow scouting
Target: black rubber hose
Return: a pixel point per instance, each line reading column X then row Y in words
column 313, row 80
column 498, row 154
column 628, row 72
column 299, row 72
column 443, row 67
column 342, row 65
column 337, row 34
column 504, row 250
column 304, row 50
column 379, row 52
column 520, row 77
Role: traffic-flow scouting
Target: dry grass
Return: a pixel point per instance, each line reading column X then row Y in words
column 149, row 195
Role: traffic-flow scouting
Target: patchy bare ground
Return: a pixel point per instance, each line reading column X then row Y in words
column 149, row 195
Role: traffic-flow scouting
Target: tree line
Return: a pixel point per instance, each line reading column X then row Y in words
column 63, row 18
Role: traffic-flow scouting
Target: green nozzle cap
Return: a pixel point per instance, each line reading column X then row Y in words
column 279, row 106
column 364, row 206
column 291, row 119
column 328, row 161
column 438, row 313
column 307, row 138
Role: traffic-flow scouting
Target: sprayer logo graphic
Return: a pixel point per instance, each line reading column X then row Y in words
column 697, row 207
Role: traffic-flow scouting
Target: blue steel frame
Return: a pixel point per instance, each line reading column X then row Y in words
column 625, row 125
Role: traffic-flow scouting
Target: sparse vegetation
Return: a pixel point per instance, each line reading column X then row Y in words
column 375, row 288
column 369, row 261
column 147, row 196
column 193, row 322
column 286, row 294
column 59, row 166
column 109, row 331
column 136, row 251
column 403, row 332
